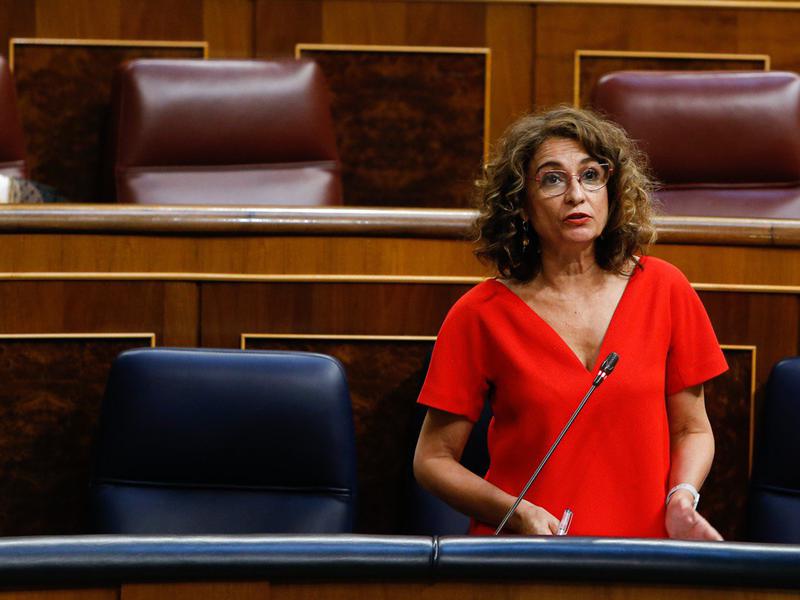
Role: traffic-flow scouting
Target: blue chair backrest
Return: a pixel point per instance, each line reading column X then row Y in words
column 774, row 507
column 224, row 441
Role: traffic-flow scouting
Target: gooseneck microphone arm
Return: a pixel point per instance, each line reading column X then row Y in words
column 605, row 370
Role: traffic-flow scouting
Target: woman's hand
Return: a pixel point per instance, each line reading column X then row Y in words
column 530, row 519
column 683, row 522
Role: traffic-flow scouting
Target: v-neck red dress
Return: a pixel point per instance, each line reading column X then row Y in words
column 612, row 467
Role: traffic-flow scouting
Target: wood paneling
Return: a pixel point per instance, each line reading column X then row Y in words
column 228, row 28
column 65, row 594
column 281, row 24
column 49, row 409
column 364, row 22
column 510, row 34
column 254, row 590
column 729, row 403
column 404, row 144
column 162, row 19
column 446, row 24
column 78, row 18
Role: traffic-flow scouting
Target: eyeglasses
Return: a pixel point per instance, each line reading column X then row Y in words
column 593, row 177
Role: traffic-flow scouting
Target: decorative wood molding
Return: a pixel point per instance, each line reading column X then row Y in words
column 334, row 337
column 151, row 337
column 199, row 44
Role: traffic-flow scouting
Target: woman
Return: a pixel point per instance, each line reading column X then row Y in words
column 565, row 217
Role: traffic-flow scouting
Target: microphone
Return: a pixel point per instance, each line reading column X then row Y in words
column 605, row 370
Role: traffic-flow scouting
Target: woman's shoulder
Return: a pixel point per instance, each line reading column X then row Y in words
column 657, row 269
column 478, row 299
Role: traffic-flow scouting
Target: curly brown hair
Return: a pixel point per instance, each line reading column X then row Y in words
column 502, row 193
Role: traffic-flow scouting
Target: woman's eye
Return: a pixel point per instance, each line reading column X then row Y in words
column 552, row 178
column 590, row 174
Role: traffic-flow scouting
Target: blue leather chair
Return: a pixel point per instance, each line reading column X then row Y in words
column 224, row 441
column 774, row 510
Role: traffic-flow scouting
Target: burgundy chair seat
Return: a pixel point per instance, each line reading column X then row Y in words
column 224, row 132
column 720, row 143
column 12, row 143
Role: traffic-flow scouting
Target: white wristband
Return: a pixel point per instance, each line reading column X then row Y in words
column 689, row 488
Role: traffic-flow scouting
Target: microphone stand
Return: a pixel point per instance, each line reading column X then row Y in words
column 605, row 370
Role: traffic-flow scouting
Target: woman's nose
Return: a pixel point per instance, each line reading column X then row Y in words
column 575, row 193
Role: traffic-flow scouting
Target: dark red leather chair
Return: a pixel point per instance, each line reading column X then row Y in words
column 224, row 132
column 12, row 143
column 720, row 143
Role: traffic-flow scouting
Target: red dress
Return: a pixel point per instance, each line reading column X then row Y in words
column 612, row 467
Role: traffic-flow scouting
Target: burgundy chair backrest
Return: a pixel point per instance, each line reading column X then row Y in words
column 224, row 132
column 12, row 142
column 720, row 143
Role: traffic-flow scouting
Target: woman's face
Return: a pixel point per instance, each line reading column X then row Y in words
column 575, row 217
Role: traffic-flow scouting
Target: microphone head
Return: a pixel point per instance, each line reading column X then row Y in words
column 609, row 363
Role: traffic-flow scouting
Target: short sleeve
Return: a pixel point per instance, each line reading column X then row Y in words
column 457, row 380
column 694, row 353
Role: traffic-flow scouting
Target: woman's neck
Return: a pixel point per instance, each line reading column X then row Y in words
column 567, row 269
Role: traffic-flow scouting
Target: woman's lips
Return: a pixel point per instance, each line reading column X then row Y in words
column 577, row 218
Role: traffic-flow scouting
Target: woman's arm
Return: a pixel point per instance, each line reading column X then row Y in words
column 691, row 453
column 437, row 469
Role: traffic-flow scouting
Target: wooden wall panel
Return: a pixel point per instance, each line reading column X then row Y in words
column 228, row 28
column 229, row 310
column 729, row 403
column 364, row 22
column 17, row 19
column 162, row 19
column 218, row 590
column 446, row 24
column 101, row 307
column 281, row 24
column 509, row 34
column 78, row 18
column 403, row 143
column 49, row 409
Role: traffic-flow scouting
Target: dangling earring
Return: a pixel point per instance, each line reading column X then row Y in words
column 526, row 235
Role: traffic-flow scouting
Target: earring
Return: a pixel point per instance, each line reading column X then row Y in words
column 526, row 235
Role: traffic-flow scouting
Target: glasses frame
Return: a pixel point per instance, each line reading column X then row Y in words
column 577, row 176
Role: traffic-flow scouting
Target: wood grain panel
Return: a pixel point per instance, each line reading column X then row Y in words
column 49, row 408
column 364, row 22
column 409, row 124
column 65, row 594
column 281, row 24
column 228, row 28
column 514, row 590
column 509, row 33
column 384, row 377
column 592, row 67
column 162, row 19
column 228, row 310
column 729, row 406
column 64, row 93
column 78, row 18
column 17, row 19
column 104, row 307
column 446, row 24
column 255, row 590
column 768, row 321
column 561, row 29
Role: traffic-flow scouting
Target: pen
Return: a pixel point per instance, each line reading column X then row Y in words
column 563, row 526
